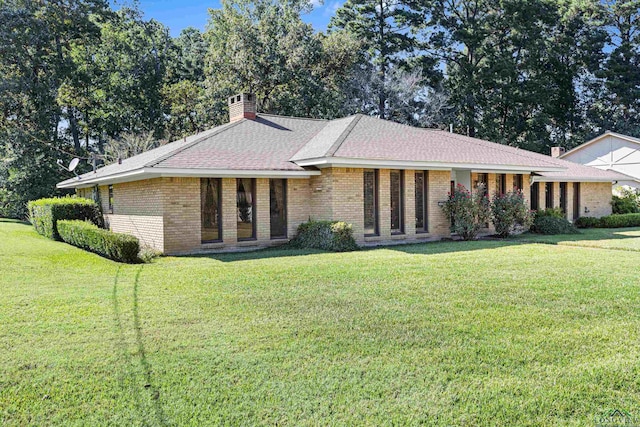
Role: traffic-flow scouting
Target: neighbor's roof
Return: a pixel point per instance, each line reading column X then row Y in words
column 277, row 146
column 600, row 138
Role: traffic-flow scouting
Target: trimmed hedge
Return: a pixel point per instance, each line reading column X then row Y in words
column 115, row 246
column 548, row 224
column 587, row 222
column 619, row 221
column 610, row 221
column 336, row 236
column 45, row 213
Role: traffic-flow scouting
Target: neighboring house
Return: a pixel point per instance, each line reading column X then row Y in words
column 251, row 182
column 610, row 151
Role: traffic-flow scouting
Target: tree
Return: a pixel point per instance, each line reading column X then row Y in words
column 129, row 145
column 263, row 47
column 385, row 27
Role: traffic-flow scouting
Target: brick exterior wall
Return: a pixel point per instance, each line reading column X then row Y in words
column 137, row 210
column 164, row 213
column 596, row 197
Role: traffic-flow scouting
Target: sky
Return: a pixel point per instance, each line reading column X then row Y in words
column 180, row 14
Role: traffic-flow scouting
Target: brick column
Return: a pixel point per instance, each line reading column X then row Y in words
column 438, row 189
column 556, row 194
column 298, row 204
column 262, row 215
column 409, row 202
column 229, row 211
column 491, row 185
column 526, row 189
column 384, row 203
column 542, row 190
column 509, row 182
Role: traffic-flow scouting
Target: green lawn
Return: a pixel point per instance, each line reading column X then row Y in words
column 476, row 333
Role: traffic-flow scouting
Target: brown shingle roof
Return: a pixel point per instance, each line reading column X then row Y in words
column 276, row 143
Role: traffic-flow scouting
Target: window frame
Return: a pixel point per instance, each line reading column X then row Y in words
column 425, row 201
column 285, row 207
column 110, row 198
column 401, row 210
column 253, row 210
column 518, row 182
column 376, row 204
column 501, row 181
column 563, row 198
column 535, row 196
column 204, row 181
column 576, row 200
column 548, row 195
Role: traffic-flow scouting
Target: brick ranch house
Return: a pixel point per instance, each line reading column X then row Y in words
column 251, row 182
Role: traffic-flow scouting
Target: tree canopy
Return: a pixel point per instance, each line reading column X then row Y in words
column 78, row 77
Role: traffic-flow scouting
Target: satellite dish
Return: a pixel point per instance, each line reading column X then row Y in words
column 73, row 164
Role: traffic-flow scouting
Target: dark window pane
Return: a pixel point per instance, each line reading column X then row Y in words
column 420, row 201
column 517, row 182
column 370, row 202
column 535, row 196
column 211, row 230
column 278, row 207
column 483, row 179
column 246, row 208
column 563, row 197
column 501, row 183
column 396, row 191
column 110, row 199
column 576, row 200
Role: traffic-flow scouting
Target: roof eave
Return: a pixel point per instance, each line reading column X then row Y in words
column 323, row 162
column 155, row 172
column 540, row 178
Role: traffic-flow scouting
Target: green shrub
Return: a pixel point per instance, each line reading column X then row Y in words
column 508, row 211
column 552, row 212
column 627, row 202
column 85, row 235
column 468, row 212
column 548, row 224
column 587, row 222
column 619, row 221
column 45, row 213
column 336, row 236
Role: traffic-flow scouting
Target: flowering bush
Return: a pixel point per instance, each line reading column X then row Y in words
column 509, row 211
column 469, row 212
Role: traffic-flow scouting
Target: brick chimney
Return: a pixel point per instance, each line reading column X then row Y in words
column 557, row 151
column 242, row 106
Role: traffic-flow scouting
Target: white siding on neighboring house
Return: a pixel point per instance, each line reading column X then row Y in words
column 610, row 151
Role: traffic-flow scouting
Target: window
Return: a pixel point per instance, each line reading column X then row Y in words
column 110, row 198
column 576, row 200
column 371, row 202
column 548, row 195
column 517, row 182
column 421, row 202
column 210, row 208
column 483, row 179
column 278, row 208
column 535, row 196
column 246, row 203
column 501, row 183
column 396, row 180
column 563, row 198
